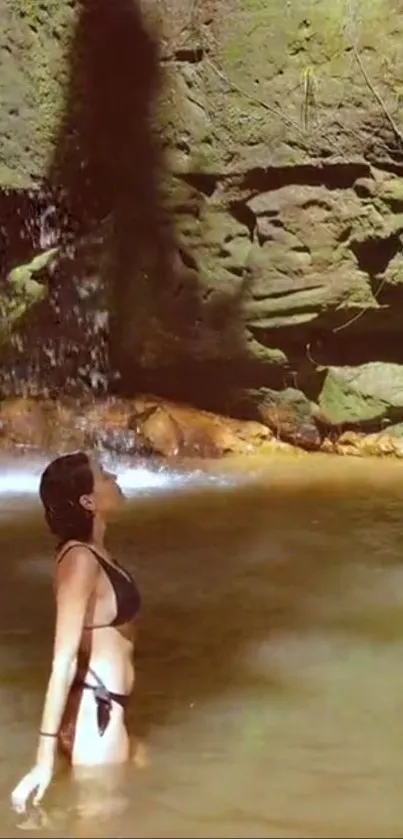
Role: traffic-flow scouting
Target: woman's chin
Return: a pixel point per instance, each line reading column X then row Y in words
column 117, row 506
column 112, row 513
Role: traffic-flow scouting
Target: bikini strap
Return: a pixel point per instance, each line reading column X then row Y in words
column 92, row 550
column 107, row 566
column 99, row 689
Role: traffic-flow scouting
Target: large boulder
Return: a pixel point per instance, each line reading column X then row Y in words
column 371, row 393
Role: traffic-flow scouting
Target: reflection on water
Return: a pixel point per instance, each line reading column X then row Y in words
column 269, row 664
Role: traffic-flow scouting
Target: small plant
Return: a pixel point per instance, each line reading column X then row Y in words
column 308, row 108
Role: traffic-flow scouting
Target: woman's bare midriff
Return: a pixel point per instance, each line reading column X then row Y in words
column 108, row 651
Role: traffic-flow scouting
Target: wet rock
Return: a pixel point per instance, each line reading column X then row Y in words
column 152, row 427
column 21, row 292
column 142, row 427
column 181, row 431
column 353, row 443
column 116, row 441
column 59, row 346
column 106, row 426
column 156, row 425
column 288, row 413
column 51, row 425
column 24, row 422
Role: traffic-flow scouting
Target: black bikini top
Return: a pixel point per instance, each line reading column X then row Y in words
column 128, row 599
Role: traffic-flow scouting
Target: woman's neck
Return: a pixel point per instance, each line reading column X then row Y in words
column 98, row 533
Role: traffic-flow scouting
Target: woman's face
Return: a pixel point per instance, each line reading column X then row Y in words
column 107, row 495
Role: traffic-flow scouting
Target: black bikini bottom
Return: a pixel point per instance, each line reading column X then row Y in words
column 103, row 700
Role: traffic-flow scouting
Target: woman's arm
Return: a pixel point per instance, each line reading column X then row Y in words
column 75, row 584
column 76, row 577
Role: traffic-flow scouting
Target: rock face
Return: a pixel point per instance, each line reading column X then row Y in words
column 252, row 258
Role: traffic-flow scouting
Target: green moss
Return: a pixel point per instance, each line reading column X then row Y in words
column 21, row 278
column 48, row 94
column 23, row 291
column 267, row 34
column 36, row 13
column 205, row 159
column 357, row 394
column 268, row 355
column 255, row 5
column 44, row 30
column 391, row 191
column 27, row 10
column 254, row 39
column 13, row 178
column 234, row 52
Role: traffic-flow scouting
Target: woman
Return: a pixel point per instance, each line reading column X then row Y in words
column 97, row 604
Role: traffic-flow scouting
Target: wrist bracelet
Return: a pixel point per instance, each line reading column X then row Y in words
column 47, row 734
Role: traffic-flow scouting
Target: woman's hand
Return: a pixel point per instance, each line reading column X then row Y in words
column 36, row 781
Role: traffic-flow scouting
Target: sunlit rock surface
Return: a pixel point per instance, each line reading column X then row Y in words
column 148, row 426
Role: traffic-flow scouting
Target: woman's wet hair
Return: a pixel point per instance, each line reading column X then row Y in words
column 62, row 484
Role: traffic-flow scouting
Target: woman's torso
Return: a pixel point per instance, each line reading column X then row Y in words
column 107, row 644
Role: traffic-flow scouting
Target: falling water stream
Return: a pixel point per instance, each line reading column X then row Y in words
column 269, row 665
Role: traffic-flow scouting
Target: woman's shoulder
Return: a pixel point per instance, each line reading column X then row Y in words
column 76, row 560
column 66, row 548
column 74, row 549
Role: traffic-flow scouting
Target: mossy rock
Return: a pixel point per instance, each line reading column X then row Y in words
column 370, row 392
column 23, row 291
column 391, row 192
column 32, row 84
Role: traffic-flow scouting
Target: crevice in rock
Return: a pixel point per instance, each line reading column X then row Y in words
column 244, row 215
column 189, row 55
column 341, row 175
column 390, row 295
column 339, row 349
column 209, row 384
column 236, row 271
column 188, row 259
column 311, row 348
column 388, row 166
column 373, row 255
column 273, row 294
column 204, row 182
column 344, row 234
